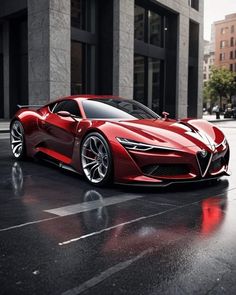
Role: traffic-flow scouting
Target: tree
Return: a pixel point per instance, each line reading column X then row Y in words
column 209, row 95
column 222, row 82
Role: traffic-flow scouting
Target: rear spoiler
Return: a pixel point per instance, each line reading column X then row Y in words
column 29, row 106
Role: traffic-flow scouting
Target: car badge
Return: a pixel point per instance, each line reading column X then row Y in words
column 203, row 153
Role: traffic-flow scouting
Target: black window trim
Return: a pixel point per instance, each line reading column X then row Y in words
column 61, row 101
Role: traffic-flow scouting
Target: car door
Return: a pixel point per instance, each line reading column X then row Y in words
column 60, row 131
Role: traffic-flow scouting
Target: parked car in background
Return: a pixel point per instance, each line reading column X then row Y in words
column 228, row 113
column 234, row 112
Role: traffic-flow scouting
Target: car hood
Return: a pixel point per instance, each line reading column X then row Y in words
column 175, row 134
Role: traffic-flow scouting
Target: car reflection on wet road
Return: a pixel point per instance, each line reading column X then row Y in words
column 60, row 235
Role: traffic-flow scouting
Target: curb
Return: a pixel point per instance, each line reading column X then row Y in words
column 220, row 121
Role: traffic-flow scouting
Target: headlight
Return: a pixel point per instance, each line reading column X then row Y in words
column 139, row 146
column 224, row 144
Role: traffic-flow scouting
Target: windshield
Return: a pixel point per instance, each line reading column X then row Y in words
column 116, row 109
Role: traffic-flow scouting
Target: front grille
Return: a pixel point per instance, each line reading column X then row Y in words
column 166, row 170
column 203, row 161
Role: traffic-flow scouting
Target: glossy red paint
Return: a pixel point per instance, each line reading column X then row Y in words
column 179, row 142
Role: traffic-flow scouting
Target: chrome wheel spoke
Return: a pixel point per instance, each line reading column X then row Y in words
column 93, row 146
column 93, row 173
column 16, row 140
column 100, row 171
column 86, row 157
column 89, row 164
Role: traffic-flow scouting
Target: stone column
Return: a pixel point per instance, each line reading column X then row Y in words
column 123, row 41
column 200, row 59
column 48, row 49
column 6, row 68
column 182, row 67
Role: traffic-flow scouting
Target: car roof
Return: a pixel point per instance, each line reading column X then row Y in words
column 87, row 96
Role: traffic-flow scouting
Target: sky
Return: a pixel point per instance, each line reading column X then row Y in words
column 216, row 10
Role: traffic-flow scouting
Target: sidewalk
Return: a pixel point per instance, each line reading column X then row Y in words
column 212, row 118
column 4, row 125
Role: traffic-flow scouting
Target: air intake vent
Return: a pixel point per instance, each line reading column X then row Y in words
column 166, row 170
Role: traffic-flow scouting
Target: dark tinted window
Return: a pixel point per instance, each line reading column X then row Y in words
column 51, row 106
column 116, row 109
column 70, row 106
column 155, row 29
column 139, row 23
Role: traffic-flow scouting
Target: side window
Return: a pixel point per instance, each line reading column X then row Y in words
column 52, row 106
column 70, row 106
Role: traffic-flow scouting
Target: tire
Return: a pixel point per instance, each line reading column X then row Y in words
column 17, row 140
column 96, row 159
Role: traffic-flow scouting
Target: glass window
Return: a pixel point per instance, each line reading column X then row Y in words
column 232, row 41
column 223, row 44
column 82, row 67
column 155, row 29
column 77, row 67
column 148, row 90
column 116, row 109
column 232, row 29
column 139, row 79
column 139, row 23
column 195, row 4
column 222, row 56
column 78, row 13
column 154, row 87
column 70, row 106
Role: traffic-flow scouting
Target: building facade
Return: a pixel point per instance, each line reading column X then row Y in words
column 208, row 60
column 147, row 50
column 225, row 42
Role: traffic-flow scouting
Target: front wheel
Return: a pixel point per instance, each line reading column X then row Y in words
column 96, row 159
column 17, row 140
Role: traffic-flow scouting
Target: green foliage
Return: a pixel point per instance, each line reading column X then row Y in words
column 222, row 82
column 209, row 94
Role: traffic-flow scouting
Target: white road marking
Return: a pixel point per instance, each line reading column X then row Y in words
column 122, row 224
column 132, row 221
column 106, row 274
column 91, row 205
column 28, row 223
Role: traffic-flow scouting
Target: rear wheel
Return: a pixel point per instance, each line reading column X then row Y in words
column 96, row 159
column 17, row 140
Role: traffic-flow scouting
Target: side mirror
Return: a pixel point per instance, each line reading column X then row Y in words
column 64, row 114
column 165, row 115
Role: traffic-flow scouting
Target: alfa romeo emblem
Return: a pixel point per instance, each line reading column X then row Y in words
column 203, row 153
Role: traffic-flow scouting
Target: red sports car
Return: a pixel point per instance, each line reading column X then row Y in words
column 109, row 138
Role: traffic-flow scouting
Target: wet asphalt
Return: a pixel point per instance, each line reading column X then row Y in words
column 60, row 235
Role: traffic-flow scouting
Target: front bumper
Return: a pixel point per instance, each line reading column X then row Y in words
column 168, row 167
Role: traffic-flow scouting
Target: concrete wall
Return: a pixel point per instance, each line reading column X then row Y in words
column 185, row 14
column 48, row 49
column 49, row 35
column 123, row 44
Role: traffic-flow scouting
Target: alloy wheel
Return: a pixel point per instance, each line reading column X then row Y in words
column 17, row 139
column 95, row 159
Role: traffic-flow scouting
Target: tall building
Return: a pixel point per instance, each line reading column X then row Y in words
column 225, row 42
column 146, row 50
column 208, row 60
